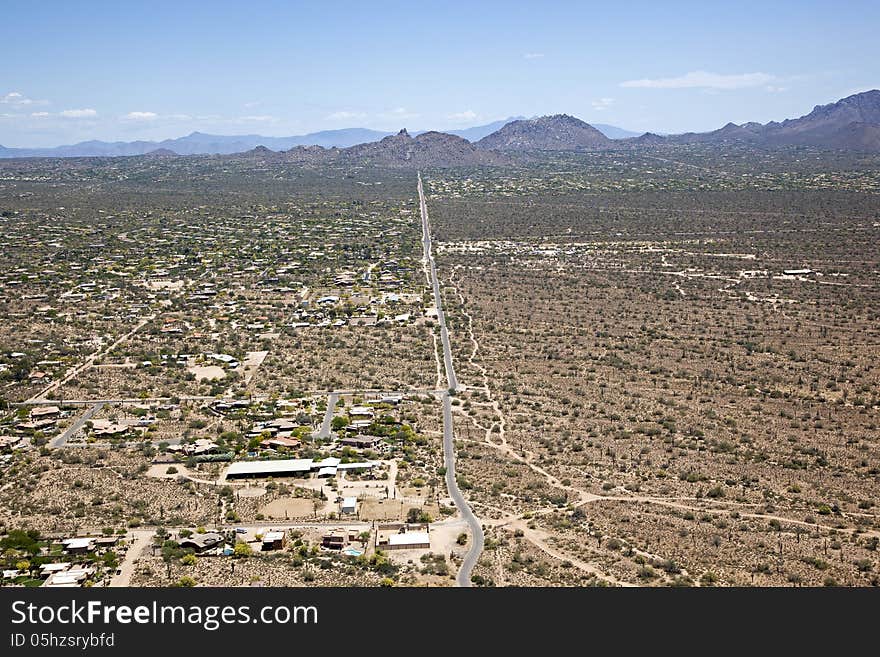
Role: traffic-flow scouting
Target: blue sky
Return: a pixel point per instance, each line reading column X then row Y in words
column 71, row 71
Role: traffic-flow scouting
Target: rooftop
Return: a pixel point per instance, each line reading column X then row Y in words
column 409, row 538
column 293, row 465
column 268, row 467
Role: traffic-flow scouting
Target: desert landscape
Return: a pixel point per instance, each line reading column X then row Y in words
column 544, row 358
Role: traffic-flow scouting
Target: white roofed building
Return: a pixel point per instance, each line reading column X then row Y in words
column 292, row 467
column 409, row 541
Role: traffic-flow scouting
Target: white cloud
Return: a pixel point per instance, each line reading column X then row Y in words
column 258, row 118
column 252, row 104
column 463, row 117
column 602, row 104
column 39, row 115
column 18, row 98
column 140, row 116
column 14, row 98
column 533, row 55
column 703, row 80
column 344, row 115
column 78, row 113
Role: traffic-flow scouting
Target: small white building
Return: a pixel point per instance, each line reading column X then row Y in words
column 77, row 544
column 52, row 568
column 409, row 541
column 69, row 578
column 349, row 505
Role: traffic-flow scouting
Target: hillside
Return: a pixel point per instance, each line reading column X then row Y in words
column 429, row 149
column 560, row 132
column 852, row 123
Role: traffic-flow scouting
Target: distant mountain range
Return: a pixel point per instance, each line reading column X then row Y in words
column 478, row 132
column 199, row 143
column 852, row 123
column 613, row 132
column 427, row 149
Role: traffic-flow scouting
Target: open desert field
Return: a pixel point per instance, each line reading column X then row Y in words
column 656, row 376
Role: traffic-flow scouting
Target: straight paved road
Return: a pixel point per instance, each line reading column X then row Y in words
column 441, row 318
column 70, row 432
column 464, row 574
column 324, row 432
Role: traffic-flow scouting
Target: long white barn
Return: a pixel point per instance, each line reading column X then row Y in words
column 293, row 467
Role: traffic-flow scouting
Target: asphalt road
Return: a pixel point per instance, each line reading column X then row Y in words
column 441, row 318
column 464, row 574
column 70, row 432
column 470, row 559
column 324, row 432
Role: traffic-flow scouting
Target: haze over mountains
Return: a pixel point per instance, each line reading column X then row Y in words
column 852, row 123
column 199, row 143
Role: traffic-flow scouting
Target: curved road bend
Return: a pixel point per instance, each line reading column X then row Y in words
column 470, row 559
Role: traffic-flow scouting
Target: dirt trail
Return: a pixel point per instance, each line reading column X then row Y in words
column 501, row 422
